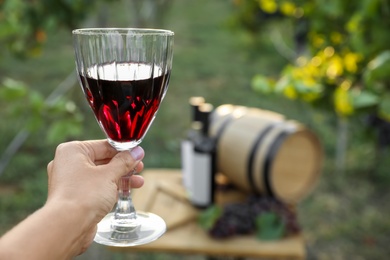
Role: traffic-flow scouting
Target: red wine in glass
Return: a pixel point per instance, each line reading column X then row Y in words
column 125, row 98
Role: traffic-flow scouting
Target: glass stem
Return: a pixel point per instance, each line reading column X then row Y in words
column 125, row 215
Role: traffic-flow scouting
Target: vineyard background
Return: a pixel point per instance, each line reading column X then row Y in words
column 216, row 51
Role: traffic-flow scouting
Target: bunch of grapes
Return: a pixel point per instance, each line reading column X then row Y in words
column 260, row 205
column 240, row 218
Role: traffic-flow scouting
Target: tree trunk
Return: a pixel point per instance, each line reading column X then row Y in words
column 341, row 145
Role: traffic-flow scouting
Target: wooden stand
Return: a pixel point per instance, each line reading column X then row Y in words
column 164, row 195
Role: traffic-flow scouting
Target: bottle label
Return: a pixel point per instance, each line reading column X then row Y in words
column 187, row 151
column 201, row 179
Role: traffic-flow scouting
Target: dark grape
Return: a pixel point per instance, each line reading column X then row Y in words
column 222, row 228
column 240, row 218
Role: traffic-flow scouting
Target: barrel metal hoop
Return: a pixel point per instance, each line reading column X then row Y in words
column 269, row 158
column 220, row 131
column 253, row 152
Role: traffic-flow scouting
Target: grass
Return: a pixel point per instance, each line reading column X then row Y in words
column 346, row 216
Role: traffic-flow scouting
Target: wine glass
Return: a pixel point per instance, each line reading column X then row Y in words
column 124, row 74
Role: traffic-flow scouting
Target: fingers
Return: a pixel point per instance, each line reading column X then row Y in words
column 49, row 174
column 94, row 150
column 137, row 181
column 125, row 162
column 101, row 162
column 139, row 168
column 49, row 166
column 99, row 150
column 102, row 154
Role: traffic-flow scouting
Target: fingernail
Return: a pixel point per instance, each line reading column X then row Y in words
column 137, row 153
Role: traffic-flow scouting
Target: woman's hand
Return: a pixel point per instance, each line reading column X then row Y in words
column 87, row 174
column 83, row 178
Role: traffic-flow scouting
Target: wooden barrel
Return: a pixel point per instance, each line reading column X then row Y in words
column 262, row 152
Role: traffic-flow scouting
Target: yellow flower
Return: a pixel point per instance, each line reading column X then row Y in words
column 287, row 8
column 297, row 73
column 342, row 102
column 329, row 51
column 316, row 61
column 309, row 81
column 346, row 84
column 317, row 40
column 268, row 6
column 309, row 97
column 311, row 71
column 350, row 61
column 301, row 61
column 336, row 37
column 290, row 92
column 335, row 67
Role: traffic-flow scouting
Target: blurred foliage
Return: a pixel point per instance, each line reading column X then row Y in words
column 342, row 48
column 24, row 30
column 62, row 114
column 24, row 24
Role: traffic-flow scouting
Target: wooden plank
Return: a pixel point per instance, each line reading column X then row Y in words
column 164, row 195
column 190, row 239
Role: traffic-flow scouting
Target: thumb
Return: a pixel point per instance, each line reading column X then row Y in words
column 125, row 162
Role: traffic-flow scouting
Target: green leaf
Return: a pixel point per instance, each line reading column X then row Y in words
column 269, row 226
column 12, row 90
column 353, row 25
column 57, row 107
column 209, row 216
column 282, row 84
column 364, row 99
column 378, row 68
column 34, row 123
column 262, row 84
column 300, row 87
column 62, row 129
column 37, row 102
column 384, row 107
column 370, row 7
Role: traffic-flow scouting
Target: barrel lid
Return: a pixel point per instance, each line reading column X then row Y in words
column 296, row 166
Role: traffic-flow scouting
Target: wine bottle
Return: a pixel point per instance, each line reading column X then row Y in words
column 203, row 162
column 187, row 144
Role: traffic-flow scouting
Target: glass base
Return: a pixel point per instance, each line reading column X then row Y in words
column 149, row 229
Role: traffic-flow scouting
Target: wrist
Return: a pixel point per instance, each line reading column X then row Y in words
column 73, row 223
column 71, row 213
column 59, row 230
